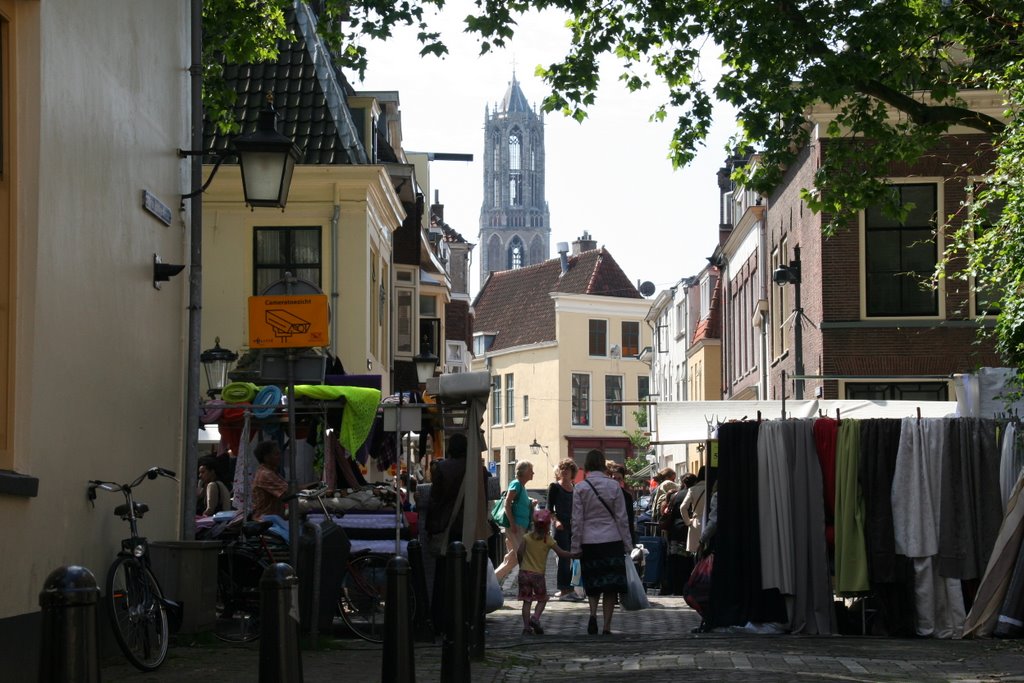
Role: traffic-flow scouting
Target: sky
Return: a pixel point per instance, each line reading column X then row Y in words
column 609, row 175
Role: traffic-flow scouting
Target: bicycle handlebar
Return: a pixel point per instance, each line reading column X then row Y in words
column 151, row 473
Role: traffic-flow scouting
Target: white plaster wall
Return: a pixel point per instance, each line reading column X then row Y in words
column 99, row 356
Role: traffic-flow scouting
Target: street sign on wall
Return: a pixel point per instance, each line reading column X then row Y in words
column 288, row 321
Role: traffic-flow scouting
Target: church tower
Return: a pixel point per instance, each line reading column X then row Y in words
column 515, row 227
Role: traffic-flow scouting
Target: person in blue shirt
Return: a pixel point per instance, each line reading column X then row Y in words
column 517, row 509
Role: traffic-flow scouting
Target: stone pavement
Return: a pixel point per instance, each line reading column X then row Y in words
column 649, row 645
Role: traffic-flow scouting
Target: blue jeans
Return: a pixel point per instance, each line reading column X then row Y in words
column 563, row 537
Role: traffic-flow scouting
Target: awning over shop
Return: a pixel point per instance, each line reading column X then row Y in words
column 692, row 421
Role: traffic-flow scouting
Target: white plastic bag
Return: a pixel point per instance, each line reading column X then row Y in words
column 494, row 599
column 635, row 596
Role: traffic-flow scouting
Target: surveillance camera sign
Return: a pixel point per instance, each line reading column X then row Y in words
column 288, row 321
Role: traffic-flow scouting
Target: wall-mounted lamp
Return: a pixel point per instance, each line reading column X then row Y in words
column 267, row 159
column 790, row 275
column 535, row 447
column 216, row 363
column 162, row 272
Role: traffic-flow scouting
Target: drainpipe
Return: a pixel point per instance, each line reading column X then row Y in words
column 195, row 283
column 334, row 277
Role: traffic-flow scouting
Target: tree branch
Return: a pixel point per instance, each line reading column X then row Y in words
column 925, row 114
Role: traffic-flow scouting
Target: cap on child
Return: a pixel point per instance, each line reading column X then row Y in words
column 542, row 518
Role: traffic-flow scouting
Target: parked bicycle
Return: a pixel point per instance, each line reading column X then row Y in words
column 137, row 606
column 239, row 567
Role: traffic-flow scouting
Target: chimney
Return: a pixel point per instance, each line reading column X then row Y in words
column 583, row 243
column 437, row 210
column 563, row 253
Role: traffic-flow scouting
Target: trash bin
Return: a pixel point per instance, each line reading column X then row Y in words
column 187, row 572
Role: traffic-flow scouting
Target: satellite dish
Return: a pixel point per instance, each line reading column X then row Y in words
column 647, row 288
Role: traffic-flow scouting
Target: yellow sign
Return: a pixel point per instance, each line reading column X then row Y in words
column 288, row 321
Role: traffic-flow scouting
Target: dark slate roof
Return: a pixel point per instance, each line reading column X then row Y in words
column 516, row 304
column 299, row 98
column 514, row 100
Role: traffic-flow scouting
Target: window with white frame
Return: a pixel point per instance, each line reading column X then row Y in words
column 612, row 394
column 510, row 399
column 580, row 399
column 630, row 338
column 986, row 295
column 276, row 251
column 496, row 400
column 900, row 256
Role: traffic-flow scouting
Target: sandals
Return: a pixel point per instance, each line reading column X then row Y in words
column 535, row 625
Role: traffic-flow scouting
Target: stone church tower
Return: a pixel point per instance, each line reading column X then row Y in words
column 515, row 227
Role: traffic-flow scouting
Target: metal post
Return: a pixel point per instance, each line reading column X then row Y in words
column 293, row 477
column 454, row 652
column 798, row 332
column 398, row 468
column 69, row 648
column 417, row 572
column 398, row 663
column 478, row 602
column 280, row 660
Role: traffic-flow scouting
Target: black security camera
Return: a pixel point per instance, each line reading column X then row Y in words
column 787, row 275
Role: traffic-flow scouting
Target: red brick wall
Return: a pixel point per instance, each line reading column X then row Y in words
column 831, row 277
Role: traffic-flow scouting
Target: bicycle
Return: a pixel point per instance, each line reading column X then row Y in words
column 136, row 603
column 361, row 603
column 239, row 567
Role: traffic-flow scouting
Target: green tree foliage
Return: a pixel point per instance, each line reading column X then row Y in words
column 640, row 438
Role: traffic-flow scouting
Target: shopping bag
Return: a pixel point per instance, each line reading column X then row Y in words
column 576, row 578
column 635, row 596
column 494, row 599
column 498, row 511
column 697, row 592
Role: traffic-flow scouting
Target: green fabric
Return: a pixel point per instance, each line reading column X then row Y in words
column 358, row 414
column 851, row 552
column 239, row 392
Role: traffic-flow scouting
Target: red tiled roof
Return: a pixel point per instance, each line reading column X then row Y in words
column 711, row 326
column 516, row 304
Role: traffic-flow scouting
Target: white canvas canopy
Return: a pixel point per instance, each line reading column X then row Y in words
column 692, row 421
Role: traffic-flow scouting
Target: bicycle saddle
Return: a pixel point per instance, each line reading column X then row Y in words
column 255, row 528
column 122, row 509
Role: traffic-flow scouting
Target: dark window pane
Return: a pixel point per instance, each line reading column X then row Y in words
column 923, row 198
column 918, row 300
column 883, row 252
column 918, row 251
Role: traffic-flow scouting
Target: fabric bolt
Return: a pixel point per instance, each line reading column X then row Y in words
column 939, row 602
column 1011, row 461
column 736, row 593
column 826, row 431
column 239, row 392
column 775, row 456
column 245, row 468
column 970, row 515
column 915, row 486
column 891, row 575
column 851, row 563
column 988, row 601
column 268, row 399
column 357, row 415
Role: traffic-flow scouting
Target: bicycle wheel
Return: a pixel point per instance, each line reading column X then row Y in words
column 137, row 613
column 238, row 596
column 363, row 592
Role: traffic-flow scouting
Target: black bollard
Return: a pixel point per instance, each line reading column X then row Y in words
column 397, row 660
column 478, row 601
column 454, row 650
column 422, row 628
column 280, row 661
column 70, row 648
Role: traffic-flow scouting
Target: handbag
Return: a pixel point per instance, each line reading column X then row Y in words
column 635, row 597
column 697, row 592
column 498, row 515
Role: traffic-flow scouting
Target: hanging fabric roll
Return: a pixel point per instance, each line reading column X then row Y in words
column 851, row 553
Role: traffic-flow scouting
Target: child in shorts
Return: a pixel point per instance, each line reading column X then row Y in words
column 533, row 559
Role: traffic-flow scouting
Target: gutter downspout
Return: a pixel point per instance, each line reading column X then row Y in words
column 195, row 284
column 334, row 276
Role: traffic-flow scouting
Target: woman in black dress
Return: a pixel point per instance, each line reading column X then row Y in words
column 560, row 505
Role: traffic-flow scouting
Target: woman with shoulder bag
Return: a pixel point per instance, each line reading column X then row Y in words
column 517, row 510
column 601, row 538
